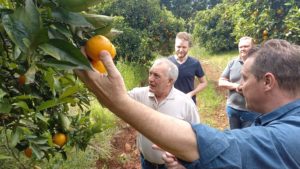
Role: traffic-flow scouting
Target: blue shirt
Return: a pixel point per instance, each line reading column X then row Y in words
column 272, row 142
column 187, row 72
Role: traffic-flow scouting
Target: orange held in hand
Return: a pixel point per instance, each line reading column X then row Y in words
column 98, row 43
column 94, row 46
column 98, row 65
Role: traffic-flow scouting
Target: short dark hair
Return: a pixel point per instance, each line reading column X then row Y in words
column 280, row 58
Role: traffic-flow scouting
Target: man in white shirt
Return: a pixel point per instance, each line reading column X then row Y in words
column 163, row 97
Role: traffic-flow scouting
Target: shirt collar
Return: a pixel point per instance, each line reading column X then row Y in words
column 184, row 59
column 240, row 60
column 170, row 95
column 287, row 109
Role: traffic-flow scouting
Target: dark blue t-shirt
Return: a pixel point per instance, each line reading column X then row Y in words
column 187, row 72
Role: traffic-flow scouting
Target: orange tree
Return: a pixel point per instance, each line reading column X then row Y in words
column 219, row 28
column 267, row 19
column 146, row 28
column 39, row 95
column 213, row 28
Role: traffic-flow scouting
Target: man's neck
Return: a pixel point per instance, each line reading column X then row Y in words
column 181, row 59
column 162, row 96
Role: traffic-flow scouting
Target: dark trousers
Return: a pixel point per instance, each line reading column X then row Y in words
column 240, row 118
column 149, row 165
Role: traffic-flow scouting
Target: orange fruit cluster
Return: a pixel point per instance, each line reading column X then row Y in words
column 94, row 46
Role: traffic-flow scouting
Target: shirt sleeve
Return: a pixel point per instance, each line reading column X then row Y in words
column 194, row 114
column 199, row 71
column 215, row 150
column 226, row 71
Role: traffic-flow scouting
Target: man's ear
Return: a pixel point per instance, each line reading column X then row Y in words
column 269, row 81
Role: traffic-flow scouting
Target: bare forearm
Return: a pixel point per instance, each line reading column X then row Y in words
column 227, row 84
column 199, row 88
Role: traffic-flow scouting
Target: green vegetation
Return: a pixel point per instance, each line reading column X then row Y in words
column 218, row 29
column 212, row 101
column 146, row 27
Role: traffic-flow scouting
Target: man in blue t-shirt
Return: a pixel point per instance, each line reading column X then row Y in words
column 188, row 67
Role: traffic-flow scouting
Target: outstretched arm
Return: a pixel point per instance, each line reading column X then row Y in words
column 171, row 134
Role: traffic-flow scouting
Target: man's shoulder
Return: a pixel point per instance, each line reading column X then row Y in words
column 172, row 58
column 139, row 90
column 182, row 96
column 192, row 58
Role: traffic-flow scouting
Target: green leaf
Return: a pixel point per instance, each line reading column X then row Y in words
column 70, row 91
column 2, row 94
column 54, row 102
column 37, row 152
column 16, row 31
column 64, row 51
column 30, row 74
column 103, row 30
column 22, row 104
column 5, row 106
column 59, row 31
column 26, row 97
column 16, row 136
column 40, row 141
column 24, row 26
column 99, row 21
column 28, row 124
column 41, row 117
column 50, row 78
column 65, row 122
column 47, row 104
column 62, row 65
column 4, row 157
column 71, row 18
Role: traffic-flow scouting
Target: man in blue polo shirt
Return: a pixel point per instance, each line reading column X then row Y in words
column 271, row 78
column 188, row 67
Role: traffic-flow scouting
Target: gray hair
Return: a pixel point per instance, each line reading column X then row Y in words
column 280, row 58
column 247, row 38
column 172, row 68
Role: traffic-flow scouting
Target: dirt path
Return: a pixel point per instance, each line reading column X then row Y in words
column 125, row 154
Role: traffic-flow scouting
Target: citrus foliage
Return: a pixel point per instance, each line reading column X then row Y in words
column 213, row 28
column 219, row 28
column 268, row 19
column 186, row 9
column 146, row 29
column 39, row 94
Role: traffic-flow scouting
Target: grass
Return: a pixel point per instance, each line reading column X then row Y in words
column 212, row 99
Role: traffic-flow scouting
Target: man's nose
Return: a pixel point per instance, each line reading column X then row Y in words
column 150, row 78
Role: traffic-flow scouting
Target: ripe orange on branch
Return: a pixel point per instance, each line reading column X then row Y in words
column 28, row 152
column 59, row 139
column 22, row 80
column 265, row 33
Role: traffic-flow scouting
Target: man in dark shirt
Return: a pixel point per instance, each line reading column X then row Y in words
column 188, row 67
